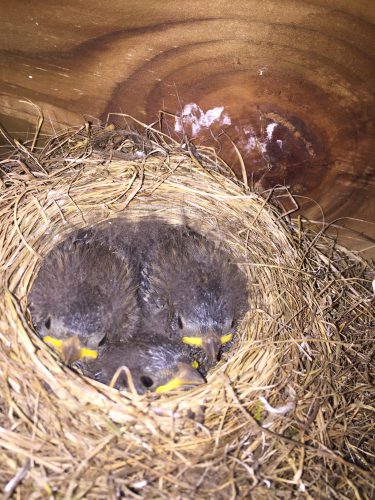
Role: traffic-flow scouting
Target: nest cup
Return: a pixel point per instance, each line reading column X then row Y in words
column 285, row 412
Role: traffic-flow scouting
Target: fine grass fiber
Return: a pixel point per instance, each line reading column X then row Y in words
column 287, row 413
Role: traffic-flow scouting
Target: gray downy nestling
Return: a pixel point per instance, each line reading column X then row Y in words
column 155, row 364
column 82, row 295
column 193, row 289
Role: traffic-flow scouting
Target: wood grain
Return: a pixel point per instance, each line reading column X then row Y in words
column 295, row 79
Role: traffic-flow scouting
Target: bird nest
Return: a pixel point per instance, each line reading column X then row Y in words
column 286, row 413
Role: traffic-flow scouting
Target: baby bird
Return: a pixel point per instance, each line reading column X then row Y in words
column 193, row 289
column 83, row 295
column 156, row 364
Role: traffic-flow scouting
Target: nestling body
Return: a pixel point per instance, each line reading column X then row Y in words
column 155, row 364
column 193, row 288
column 83, row 292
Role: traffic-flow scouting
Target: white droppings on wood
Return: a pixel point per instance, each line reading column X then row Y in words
column 194, row 117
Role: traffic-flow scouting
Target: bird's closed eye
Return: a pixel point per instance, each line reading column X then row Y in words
column 146, row 381
column 47, row 323
column 179, row 322
column 102, row 341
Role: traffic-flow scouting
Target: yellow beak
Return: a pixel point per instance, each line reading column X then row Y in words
column 195, row 341
column 71, row 349
column 185, row 376
column 226, row 338
column 210, row 343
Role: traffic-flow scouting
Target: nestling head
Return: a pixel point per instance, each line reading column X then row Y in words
column 157, row 364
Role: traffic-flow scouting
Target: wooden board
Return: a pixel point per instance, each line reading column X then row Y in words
column 291, row 83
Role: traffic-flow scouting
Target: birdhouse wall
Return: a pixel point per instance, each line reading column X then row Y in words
column 289, row 83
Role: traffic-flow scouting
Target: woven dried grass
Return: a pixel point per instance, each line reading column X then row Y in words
column 286, row 414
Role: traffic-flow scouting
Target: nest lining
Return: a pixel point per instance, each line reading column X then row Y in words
column 287, row 411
